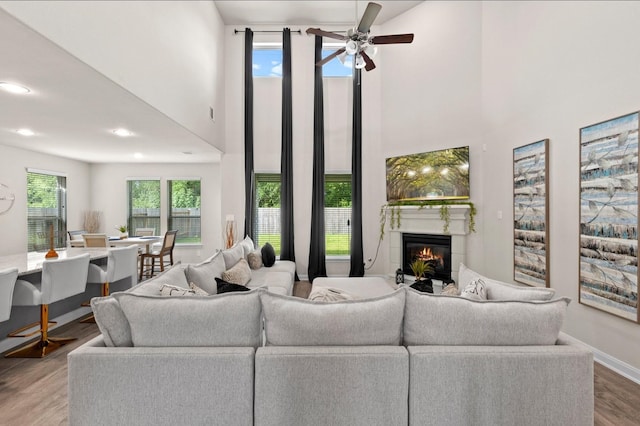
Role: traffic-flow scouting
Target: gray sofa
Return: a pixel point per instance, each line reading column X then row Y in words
column 259, row 358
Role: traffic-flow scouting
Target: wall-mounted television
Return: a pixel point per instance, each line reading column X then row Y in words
column 434, row 175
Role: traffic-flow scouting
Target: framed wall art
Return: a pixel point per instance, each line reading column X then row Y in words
column 608, row 276
column 531, row 214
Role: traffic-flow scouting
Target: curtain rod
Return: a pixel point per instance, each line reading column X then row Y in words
column 266, row 31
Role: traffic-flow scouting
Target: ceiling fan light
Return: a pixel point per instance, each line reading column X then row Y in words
column 342, row 57
column 352, row 47
column 360, row 63
column 371, row 50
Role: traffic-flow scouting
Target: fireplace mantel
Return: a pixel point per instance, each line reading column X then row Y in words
column 426, row 220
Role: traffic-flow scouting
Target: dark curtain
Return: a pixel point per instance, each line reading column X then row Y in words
column 287, row 250
column 357, row 256
column 249, row 189
column 317, row 249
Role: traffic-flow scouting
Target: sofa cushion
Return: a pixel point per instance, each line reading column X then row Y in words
column 232, row 255
column 498, row 290
column 255, row 259
column 448, row 320
column 230, row 319
column 267, row 277
column 225, row 287
column 292, row 321
column 268, row 255
column 151, row 287
column 248, row 246
column 203, row 274
column 240, row 273
column 111, row 321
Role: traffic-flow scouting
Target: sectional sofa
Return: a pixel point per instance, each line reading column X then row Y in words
column 261, row 358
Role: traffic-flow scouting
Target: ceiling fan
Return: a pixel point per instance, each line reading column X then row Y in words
column 359, row 42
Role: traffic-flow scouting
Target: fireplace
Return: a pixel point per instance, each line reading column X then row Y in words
column 432, row 248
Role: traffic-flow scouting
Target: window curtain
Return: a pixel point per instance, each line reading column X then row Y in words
column 357, row 256
column 249, row 187
column 317, row 246
column 287, row 250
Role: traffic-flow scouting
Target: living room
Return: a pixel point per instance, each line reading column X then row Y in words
column 489, row 75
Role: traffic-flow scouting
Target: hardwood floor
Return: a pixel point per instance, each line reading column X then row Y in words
column 34, row 391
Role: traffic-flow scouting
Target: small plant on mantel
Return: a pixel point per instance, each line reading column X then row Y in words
column 394, row 213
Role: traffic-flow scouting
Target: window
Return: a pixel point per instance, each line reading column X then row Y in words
column 46, row 208
column 144, row 205
column 267, row 217
column 335, row 67
column 337, row 214
column 184, row 210
column 267, row 62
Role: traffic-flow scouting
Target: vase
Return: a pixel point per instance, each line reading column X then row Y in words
column 124, row 235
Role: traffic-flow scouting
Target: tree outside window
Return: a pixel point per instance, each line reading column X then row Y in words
column 184, row 210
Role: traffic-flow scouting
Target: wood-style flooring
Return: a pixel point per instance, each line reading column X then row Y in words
column 34, row 391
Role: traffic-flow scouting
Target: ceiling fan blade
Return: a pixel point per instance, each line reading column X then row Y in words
column 391, row 39
column 330, row 57
column 369, row 15
column 369, row 65
column 322, row 33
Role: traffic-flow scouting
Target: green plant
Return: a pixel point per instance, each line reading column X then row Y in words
column 122, row 228
column 420, row 268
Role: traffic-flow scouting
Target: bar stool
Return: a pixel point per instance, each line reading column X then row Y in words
column 122, row 262
column 61, row 278
column 7, row 284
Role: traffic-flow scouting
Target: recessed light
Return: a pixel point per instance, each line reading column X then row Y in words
column 25, row 132
column 123, row 133
column 14, row 88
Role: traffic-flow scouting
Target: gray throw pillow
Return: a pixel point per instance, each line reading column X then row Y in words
column 240, row 273
column 230, row 319
column 292, row 321
column 232, row 255
column 204, row 274
column 173, row 276
column 449, row 320
column 111, row 321
column 498, row 290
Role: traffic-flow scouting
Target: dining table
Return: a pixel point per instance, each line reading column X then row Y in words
column 146, row 241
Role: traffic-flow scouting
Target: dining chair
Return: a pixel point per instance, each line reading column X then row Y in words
column 95, row 240
column 75, row 238
column 61, row 279
column 168, row 244
column 122, row 262
column 145, row 232
column 7, row 284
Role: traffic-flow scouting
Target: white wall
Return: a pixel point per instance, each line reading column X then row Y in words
column 172, row 61
column 109, row 196
column 13, row 173
column 550, row 68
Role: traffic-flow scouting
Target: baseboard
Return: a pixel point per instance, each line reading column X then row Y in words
column 14, row 342
column 614, row 364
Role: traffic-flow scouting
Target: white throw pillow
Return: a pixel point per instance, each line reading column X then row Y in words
column 173, row 290
column 475, row 290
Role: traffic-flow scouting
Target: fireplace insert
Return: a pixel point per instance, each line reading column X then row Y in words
column 432, row 248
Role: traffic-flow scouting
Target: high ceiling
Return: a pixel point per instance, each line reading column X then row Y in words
column 73, row 109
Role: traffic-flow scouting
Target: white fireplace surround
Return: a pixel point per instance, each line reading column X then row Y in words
column 426, row 220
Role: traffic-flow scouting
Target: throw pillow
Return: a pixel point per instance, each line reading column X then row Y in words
column 445, row 320
column 232, row 319
column 151, row 287
column 225, row 287
column 475, row 290
column 292, row 321
column 203, row 274
column 255, row 259
column 197, row 290
column 111, row 322
column 247, row 245
column 450, row 290
column 268, row 255
column 498, row 290
column 232, row 255
column 240, row 273
column 172, row 290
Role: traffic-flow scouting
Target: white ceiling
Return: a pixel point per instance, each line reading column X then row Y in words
column 73, row 109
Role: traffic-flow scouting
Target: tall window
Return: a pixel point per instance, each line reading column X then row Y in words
column 336, row 67
column 267, row 203
column 144, row 205
column 267, row 62
column 46, row 207
column 337, row 214
column 184, row 210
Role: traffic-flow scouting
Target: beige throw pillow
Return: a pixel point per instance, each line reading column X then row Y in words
column 240, row 273
column 255, row 259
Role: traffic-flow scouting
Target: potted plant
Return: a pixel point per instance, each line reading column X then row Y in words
column 123, row 231
column 420, row 269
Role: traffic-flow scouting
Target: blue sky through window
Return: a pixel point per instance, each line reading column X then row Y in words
column 268, row 63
